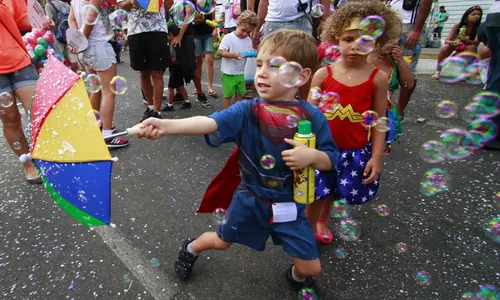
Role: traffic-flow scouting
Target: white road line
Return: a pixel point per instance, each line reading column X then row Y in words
column 203, row 82
column 153, row 280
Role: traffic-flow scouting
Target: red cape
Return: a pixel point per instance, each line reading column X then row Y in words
column 221, row 189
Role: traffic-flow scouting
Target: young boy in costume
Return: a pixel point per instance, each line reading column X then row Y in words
column 259, row 128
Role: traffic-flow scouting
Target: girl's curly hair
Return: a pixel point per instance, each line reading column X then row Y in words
column 341, row 19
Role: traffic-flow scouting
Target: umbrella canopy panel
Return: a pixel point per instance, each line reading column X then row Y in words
column 70, row 132
column 151, row 5
column 53, row 84
column 83, row 190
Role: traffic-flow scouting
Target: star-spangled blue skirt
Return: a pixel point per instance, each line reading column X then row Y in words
column 348, row 184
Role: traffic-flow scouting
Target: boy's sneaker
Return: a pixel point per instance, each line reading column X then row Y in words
column 202, row 98
column 146, row 114
column 307, row 288
column 144, row 102
column 186, row 105
column 116, row 142
column 185, row 262
column 155, row 114
column 168, row 108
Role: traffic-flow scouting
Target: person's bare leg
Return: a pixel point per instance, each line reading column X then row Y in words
column 108, row 97
column 227, row 102
column 158, row 86
column 444, row 53
column 183, row 92
column 25, row 94
column 197, row 74
column 325, row 214
column 209, row 60
column 484, row 53
column 147, row 86
column 313, row 211
column 404, row 98
column 237, row 97
column 171, row 94
column 209, row 241
column 306, row 268
column 14, row 135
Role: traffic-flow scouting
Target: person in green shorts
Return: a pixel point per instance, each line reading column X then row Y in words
column 233, row 62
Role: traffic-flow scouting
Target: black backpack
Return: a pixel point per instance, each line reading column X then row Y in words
column 61, row 23
column 410, row 4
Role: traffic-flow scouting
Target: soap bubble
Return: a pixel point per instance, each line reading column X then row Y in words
column 220, row 216
column 90, row 14
column 435, row 181
column 306, row 294
column 487, row 128
column 468, row 296
column 317, row 10
column 423, row 278
column 473, row 111
column 401, row 247
column 383, row 210
column 490, row 100
column 472, row 73
column 315, row 95
column 118, row 85
column 120, row 19
column 348, row 230
column 155, row 262
column 373, row 26
column 433, row 151
column 277, row 62
column 488, row 292
column 340, row 253
column 292, row 121
column 6, row 100
column 183, row 12
column 341, row 209
column 289, row 74
column 332, row 54
column 493, row 230
column 267, row 162
column 370, row 118
column 364, row 45
column 452, row 69
column 94, row 117
column 205, row 7
column 384, row 124
column 126, row 278
column 93, row 83
column 497, row 199
column 16, row 146
column 329, row 101
column 455, row 141
column 446, row 109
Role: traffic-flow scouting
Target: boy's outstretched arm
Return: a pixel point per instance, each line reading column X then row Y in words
column 153, row 128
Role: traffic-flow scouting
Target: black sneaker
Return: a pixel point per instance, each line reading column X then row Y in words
column 306, row 289
column 155, row 114
column 185, row 262
column 146, row 114
column 202, row 98
column 186, row 105
column 164, row 98
column 168, row 108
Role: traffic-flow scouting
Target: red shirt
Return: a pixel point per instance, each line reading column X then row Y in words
column 345, row 121
column 13, row 56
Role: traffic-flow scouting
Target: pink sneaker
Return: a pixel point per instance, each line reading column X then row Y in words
column 116, row 142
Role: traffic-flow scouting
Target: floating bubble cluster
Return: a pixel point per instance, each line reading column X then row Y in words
column 435, row 181
column 317, row 10
column 332, row 54
column 423, row 278
column 220, row 216
column 365, row 44
column 370, row 118
column 292, row 121
column 373, row 26
column 120, row 19
column 493, row 230
column 93, row 83
column 118, row 85
column 341, row 209
column 348, row 230
column 383, row 210
column 6, row 100
column 183, row 12
column 306, row 294
column 205, row 7
column 401, row 247
column 446, row 109
column 90, row 14
column 289, row 74
column 267, row 161
column 340, row 253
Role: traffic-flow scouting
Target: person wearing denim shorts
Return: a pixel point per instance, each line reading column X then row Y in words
column 17, row 79
column 204, row 46
column 98, row 58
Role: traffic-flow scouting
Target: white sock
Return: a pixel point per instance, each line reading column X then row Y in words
column 295, row 277
column 170, row 105
column 189, row 248
column 107, row 132
column 151, row 106
column 188, row 101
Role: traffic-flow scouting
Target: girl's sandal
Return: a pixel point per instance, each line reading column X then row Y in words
column 325, row 237
column 33, row 179
column 213, row 93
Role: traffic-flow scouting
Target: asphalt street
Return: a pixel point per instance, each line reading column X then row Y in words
column 157, row 186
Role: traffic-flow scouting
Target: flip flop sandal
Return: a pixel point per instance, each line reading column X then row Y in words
column 33, row 180
column 325, row 238
column 213, row 93
column 195, row 92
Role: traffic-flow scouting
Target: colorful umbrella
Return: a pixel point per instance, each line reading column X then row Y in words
column 67, row 147
column 151, row 5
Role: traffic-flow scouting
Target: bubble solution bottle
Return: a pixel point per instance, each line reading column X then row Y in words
column 303, row 182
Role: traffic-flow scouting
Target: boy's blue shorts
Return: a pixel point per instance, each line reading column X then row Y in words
column 248, row 223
